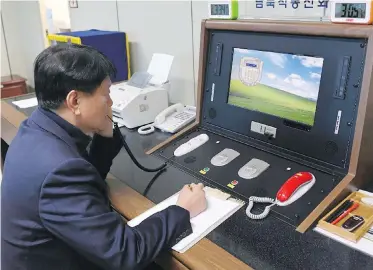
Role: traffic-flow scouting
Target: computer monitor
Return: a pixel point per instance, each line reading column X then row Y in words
column 279, row 84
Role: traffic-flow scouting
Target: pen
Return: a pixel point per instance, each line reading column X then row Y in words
column 345, row 213
column 339, row 211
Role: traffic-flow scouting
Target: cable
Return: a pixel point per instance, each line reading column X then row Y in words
column 151, row 182
column 260, row 200
column 147, row 129
column 125, row 145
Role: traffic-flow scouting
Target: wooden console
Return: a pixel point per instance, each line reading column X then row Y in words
column 360, row 161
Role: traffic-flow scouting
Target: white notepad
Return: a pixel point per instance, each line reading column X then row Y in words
column 26, row 103
column 218, row 210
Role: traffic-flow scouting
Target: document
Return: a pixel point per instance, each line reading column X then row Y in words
column 139, row 79
column 219, row 208
column 26, row 103
column 159, row 68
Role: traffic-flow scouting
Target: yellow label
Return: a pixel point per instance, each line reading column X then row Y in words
column 231, row 186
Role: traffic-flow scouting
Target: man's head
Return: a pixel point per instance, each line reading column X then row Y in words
column 74, row 81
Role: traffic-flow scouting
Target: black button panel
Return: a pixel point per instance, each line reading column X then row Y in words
column 340, row 91
column 218, row 52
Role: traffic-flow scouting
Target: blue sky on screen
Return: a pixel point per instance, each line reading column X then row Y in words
column 296, row 74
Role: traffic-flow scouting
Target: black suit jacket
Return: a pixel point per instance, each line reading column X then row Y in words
column 55, row 210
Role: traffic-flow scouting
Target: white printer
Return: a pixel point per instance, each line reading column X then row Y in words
column 134, row 107
column 138, row 101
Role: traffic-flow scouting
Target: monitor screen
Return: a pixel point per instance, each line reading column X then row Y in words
column 279, row 84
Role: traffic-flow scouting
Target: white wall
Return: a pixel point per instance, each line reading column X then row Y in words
column 5, row 69
column 60, row 11
column 24, row 35
column 161, row 27
column 100, row 15
column 149, row 30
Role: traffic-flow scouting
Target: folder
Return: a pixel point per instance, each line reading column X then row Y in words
column 220, row 206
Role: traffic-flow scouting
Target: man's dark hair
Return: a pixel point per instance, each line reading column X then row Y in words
column 65, row 67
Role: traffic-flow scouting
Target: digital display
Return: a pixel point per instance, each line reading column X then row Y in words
column 279, row 84
column 350, row 10
column 219, row 9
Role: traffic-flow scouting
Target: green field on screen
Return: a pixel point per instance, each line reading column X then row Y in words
column 272, row 101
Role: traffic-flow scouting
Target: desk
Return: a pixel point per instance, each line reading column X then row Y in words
column 238, row 243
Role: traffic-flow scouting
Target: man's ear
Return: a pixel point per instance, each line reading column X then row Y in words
column 72, row 102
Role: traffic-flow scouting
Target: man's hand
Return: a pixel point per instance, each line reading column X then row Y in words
column 192, row 198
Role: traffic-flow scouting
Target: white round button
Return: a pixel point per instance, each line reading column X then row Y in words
column 222, row 158
column 250, row 171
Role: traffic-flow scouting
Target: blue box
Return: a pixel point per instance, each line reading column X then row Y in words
column 113, row 44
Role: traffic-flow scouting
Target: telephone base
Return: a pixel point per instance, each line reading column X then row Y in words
column 266, row 184
column 171, row 120
column 175, row 117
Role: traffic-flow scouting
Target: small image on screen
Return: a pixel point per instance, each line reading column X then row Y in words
column 283, row 85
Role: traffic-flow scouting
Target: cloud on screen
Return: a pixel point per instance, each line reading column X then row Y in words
column 293, row 84
column 296, row 74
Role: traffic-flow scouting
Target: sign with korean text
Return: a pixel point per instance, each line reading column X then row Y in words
column 291, row 4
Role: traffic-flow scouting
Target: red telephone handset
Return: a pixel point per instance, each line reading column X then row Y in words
column 294, row 188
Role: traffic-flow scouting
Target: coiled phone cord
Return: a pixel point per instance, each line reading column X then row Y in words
column 125, row 145
column 260, row 200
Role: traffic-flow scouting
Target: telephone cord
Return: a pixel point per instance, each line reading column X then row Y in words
column 260, row 200
column 125, row 145
column 147, row 129
column 135, row 160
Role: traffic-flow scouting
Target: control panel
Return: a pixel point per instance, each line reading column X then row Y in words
column 340, row 91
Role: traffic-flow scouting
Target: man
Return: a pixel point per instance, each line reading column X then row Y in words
column 55, row 209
